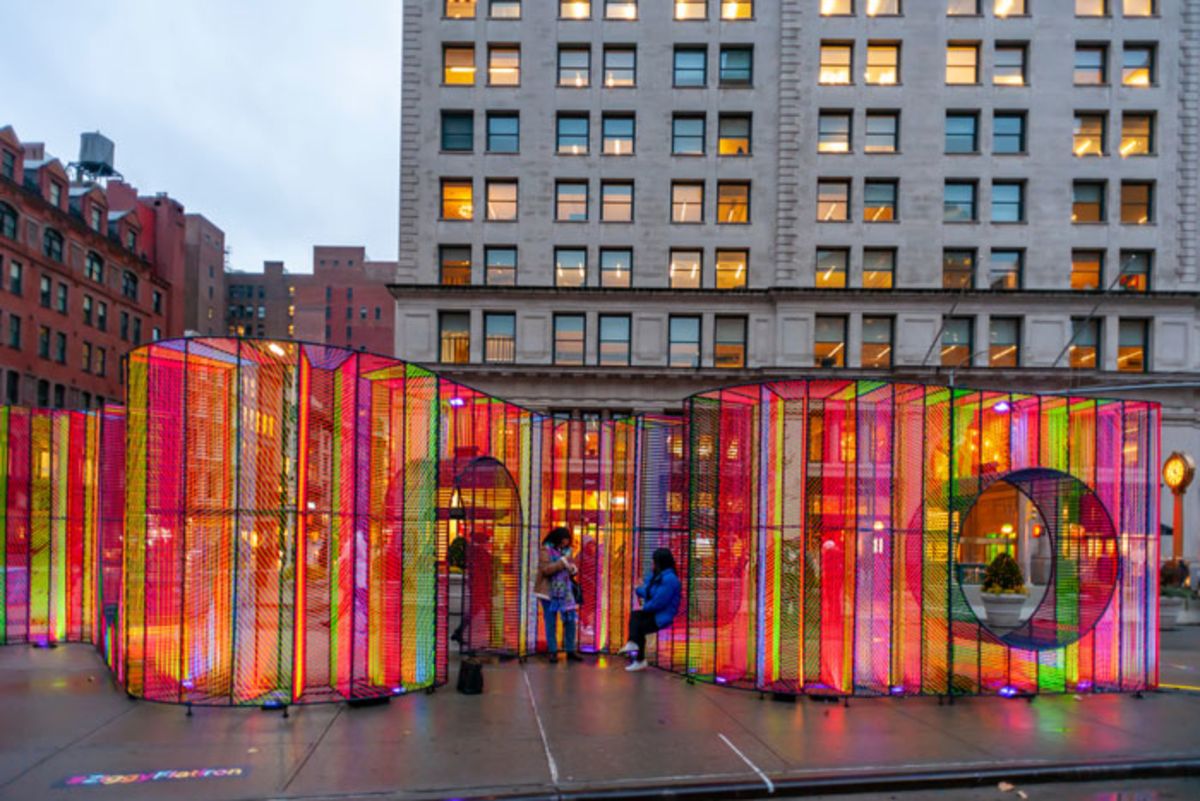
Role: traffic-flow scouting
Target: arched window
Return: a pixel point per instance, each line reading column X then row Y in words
column 129, row 285
column 52, row 245
column 94, row 267
column 8, row 221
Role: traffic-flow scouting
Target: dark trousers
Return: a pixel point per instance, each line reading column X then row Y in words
column 641, row 623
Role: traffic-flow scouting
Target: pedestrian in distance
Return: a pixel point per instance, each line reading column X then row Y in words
column 660, row 603
column 555, row 592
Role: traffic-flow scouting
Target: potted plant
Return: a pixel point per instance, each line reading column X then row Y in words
column 1003, row 592
column 1172, row 577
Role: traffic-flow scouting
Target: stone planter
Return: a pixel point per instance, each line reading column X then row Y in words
column 1168, row 612
column 1003, row 611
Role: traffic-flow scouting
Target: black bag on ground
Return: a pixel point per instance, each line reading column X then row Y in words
column 470, row 677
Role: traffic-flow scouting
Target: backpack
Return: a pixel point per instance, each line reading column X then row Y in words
column 470, row 677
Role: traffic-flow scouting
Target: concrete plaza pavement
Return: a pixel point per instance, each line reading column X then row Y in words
column 561, row 730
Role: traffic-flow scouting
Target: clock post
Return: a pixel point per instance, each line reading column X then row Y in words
column 1178, row 472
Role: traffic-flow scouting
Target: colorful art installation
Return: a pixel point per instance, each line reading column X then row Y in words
column 840, row 532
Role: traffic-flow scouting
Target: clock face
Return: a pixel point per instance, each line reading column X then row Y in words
column 1173, row 472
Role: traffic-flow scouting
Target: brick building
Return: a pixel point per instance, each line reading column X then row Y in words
column 204, row 276
column 80, row 282
column 261, row 304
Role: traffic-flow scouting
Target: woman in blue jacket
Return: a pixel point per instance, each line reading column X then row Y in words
column 660, row 602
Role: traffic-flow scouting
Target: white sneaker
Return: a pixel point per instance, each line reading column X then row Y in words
column 636, row 665
column 628, row 648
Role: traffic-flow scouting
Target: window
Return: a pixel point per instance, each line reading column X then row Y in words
column 458, row 131
column 691, row 66
column 618, row 134
column 883, row 132
column 684, row 341
column 44, row 342
column 1137, row 134
column 455, row 261
column 876, row 343
column 12, row 385
column 499, row 338
column 102, row 316
column 457, row 201
column 958, row 341
column 454, row 335
column 733, row 203
column 500, row 265
column 614, row 340
column 687, row 135
column 1137, row 68
column 833, row 132
column 616, row 268
column 733, row 135
column 879, row 201
column 1087, row 270
column 1087, row 201
column 575, row 9
column 737, row 66
column 729, row 342
column 1091, row 8
column 962, row 8
column 568, row 339
column 1135, row 270
column 1008, row 201
column 962, row 63
column 137, row 330
column 96, row 217
column 1132, row 336
column 574, row 67
column 620, row 9
column 1009, row 68
column 687, row 203
column 1084, row 350
column 93, row 267
column 833, row 200
column 691, row 9
column 570, row 267
column 458, row 65
column 43, row 392
column 44, row 291
column 14, row 331
column 832, row 269
column 962, row 132
column 56, row 194
column 503, row 132
column 837, row 8
column 502, row 200
column 829, row 346
column 88, row 306
column 1139, row 8
column 571, row 201
column 15, row 274
column 504, row 65
column 1008, row 133
column 958, row 269
column 1004, row 342
column 620, row 67
column 1004, row 269
column 878, row 268
column 685, row 269
column 737, row 9
column 156, row 299
column 836, row 63
column 959, row 201
column 1137, row 202
column 52, row 245
column 732, row 269
column 460, row 9
column 573, row 134
column 8, row 221
column 60, row 299
column 8, row 165
column 883, row 63
column 131, row 238
column 1091, row 65
column 1009, row 8
column 1089, row 134
column 504, row 9
column 616, row 201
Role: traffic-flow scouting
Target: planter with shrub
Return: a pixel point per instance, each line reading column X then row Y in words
column 1004, row 592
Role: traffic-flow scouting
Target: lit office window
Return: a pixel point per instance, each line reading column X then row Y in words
column 836, row 63
column 829, row 341
column 1084, row 351
column 837, row 8
column 1009, row 68
column 457, row 200
column 616, row 201
column 833, row 201
column 687, row 135
column 687, row 203
column 502, row 201
column 879, row 268
column 691, row 9
column 737, row 9
column 1135, row 270
column 1137, row 202
column 1091, row 65
column 879, row 201
column 501, row 266
column 569, row 339
column 620, row 67
column 685, row 269
column 958, row 342
column 618, row 134
column 575, row 9
column 962, row 132
column 1137, row 134
column 832, row 268
column 616, row 268
column 1132, row 339
column 458, row 65
column 733, row 135
column 1004, row 342
column 833, row 132
column 962, row 8
column 958, row 269
column 691, row 67
column 504, row 9
column 1004, row 270
column 455, row 265
column 614, row 340
column 876, row 343
column 1137, row 68
column 573, row 134
column 1089, row 134
column 570, row 267
column 883, row 8
column 1009, row 8
column 460, row 9
column 454, row 335
column 499, row 338
column 729, row 343
column 504, row 65
column 737, row 66
column 620, row 9
column 732, row 269
column 503, row 132
column 1091, row 8
column 1087, row 201
column 962, row 63
column 574, row 67
column 883, row 63
column 733, row 203
column 1139, row 8
column 571, row 201
column 458, row 131
column 684, row 345
column 1087, row 270
column 1008, row 201
column 959, row 201
column 883, row 132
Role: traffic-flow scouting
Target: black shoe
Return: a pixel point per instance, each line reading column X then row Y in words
column 574, row 657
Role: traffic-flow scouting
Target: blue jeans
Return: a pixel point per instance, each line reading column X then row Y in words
column 550, row 618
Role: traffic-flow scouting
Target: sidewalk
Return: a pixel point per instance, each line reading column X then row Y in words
column 551, row 729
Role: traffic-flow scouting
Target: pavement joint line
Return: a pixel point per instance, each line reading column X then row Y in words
column 541, row 729
column 766, row 779
column 312, row 749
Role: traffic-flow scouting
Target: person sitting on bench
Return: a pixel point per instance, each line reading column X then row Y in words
column 660, row 603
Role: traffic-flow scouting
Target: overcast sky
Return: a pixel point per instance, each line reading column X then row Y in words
column 278, row 120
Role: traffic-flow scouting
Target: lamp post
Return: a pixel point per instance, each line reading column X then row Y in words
column 1178, row 472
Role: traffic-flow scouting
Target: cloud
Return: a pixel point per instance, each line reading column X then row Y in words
column 276, row 119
